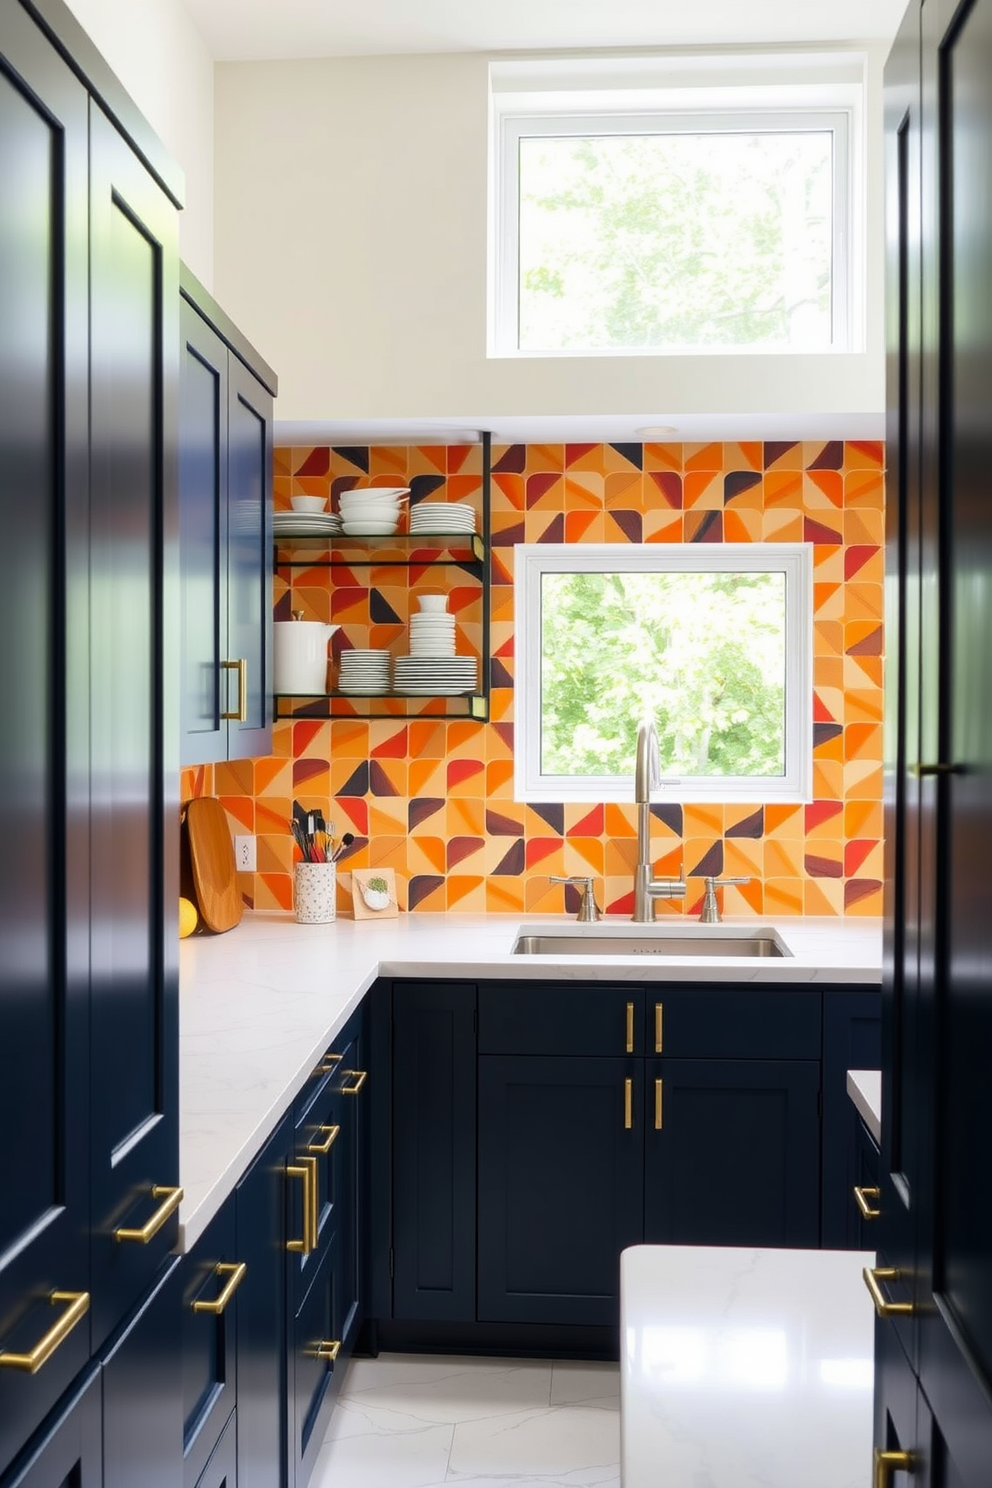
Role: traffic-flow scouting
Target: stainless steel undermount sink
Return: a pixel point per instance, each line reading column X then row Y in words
column 706, row 941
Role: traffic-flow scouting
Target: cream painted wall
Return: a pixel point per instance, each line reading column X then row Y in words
column 351, row 248
column 163, row 62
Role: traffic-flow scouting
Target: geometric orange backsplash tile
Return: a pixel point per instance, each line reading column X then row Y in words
column 432, row 798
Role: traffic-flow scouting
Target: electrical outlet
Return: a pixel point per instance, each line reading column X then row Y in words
column 244, row 854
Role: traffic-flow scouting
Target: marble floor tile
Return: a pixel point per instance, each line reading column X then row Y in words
column 423, row 1421
column 552, row 1443
column 576, row 1381
column 448, row 1390
column 365, row 1448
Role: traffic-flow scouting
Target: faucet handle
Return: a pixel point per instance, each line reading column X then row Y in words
column 589, row 910
column 710, row 914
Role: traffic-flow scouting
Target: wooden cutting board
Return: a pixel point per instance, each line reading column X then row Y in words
column 211, row 861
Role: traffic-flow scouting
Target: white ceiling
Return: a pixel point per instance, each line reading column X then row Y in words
column 243, row 30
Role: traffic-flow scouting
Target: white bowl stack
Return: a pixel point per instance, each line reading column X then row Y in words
column 442, row 516
column 373, row 512
column 432, row 669
column 364, row 673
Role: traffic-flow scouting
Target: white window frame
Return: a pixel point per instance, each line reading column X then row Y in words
column 816, row 106
column 793, row 560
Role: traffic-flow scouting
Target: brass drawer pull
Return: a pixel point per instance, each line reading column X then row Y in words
column 327, row 1064
column 630, row 1028
column 240, row 713
column 887, row 1463
column 235, row 1273
column 659, row 1096
column 659, row 1027
column 360, row 1077
column 628, row 1104
column 328, row 1349
column 330, row 1135
column 79, row 1306
column 171, row 1199
column 865, row 1198
column 885, row 1309
column 305, row 1169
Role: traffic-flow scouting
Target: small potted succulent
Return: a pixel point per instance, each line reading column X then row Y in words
column 375, row 892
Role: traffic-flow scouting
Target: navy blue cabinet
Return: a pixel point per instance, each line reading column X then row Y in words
column 225, row 484
column 538, row 1128
column 70, row 1448
column 142, row 1392
column 326, row 1240
column 221, row 1470
column 88, row 362
column 732, row 1152
column 44, row 747
column 262, row 1332
column 213, row 1275
column 561, row 1186
column 134, row 872
column 852, row 1039
column 433, row 1150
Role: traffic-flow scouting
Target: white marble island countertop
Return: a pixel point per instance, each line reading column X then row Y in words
column 259, row 1005
column 745, row 1368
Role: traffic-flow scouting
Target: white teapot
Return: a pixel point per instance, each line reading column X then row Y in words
column 300, row 655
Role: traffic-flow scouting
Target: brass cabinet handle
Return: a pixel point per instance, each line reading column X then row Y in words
column 628, row 1104
column 360, row 1077
column 330, row 1134
column 310, row 1163
column 171, row 1199
column 659, row 1095
column 303, row 1170
column 873, row 1276
column 659, row 1027
column 240, row 713
column 937, row 768
column 327, row 1063
column 235, row 1273
column 890, row 1462
column 328, row 1349
column 79, row 1306
column 630, row 1028
column 864, row 1198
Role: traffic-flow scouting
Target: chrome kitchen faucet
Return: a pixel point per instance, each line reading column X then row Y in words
column 647, row 776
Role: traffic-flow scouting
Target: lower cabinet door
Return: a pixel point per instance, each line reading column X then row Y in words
column 314, row 1369
column 262, row 1339
column 434, row 1151
column 212, row 1277
column 903, row 1423
column 221, row 1470
column 142, row 1393
column 732, row 1152
column 561, row 1153
column 69, row 1450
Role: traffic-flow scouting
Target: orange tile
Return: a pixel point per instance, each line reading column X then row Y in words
column 782, row 858
column 783, row 488
column 703, row 491
column 504, row 896
column 823, row 896
column 703, row 457
column 783, row 896
column 663, row 457
column 466, row 894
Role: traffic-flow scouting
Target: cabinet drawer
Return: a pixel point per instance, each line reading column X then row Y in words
column 208, row 1340
column 560, row 1018
column 747, row 1023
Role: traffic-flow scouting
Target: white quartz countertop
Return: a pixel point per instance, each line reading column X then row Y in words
column 865, row 1089
column 259, row 1005
column 745, row 1368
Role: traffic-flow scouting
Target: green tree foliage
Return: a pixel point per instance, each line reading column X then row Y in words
column 703, row 654
column 669, row 240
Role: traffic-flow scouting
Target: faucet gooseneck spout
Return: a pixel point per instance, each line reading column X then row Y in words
column 647, row 777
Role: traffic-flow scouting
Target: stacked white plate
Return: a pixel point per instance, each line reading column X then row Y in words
column 305, row 524
column 432, row 635
column 442, row 516
column 364, row 673
column 374, row 512
column 436, row 676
